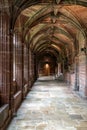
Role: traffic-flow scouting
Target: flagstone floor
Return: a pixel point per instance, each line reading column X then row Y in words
column 51, row 105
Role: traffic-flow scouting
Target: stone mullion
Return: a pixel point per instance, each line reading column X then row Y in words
column 1, row 85
column 15, row 57
column 30, row 76
column 32, row 66
column 26, row 64
column 86, row 77
column 8, row 62
column 29, row 63
column 19, row 62
column 17, row 77
column 9, row 67
column 22, row 65
column 16, row 49
column 29, row 67
column 35, row 67
column 2, row 61
column 33, row 62
column 14, row 88
column 76, row 73
column 5, row 60
column 32, row 71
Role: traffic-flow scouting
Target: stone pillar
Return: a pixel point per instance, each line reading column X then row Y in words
column 31, row 68
column 35, row 67
column 19, row 61
column 59, row 68
column 86, row 77
column 5, row 58
column 1, row 46
column 26, row 60
column 76, row 73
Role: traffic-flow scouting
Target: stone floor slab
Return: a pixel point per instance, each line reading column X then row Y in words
column 51, row 105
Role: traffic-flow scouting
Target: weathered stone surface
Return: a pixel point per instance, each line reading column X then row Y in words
column 51, row 105
column 4, row 112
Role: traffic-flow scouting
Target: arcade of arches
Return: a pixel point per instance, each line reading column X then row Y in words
column 40, row 38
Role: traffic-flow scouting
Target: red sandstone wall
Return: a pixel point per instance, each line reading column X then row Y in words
column 26, row 65
column 72, row 81
column 5, row 56
column 82, row 74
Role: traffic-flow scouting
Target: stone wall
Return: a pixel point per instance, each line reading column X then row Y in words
column 5, row 55
column 16, row 68
column 82, row 74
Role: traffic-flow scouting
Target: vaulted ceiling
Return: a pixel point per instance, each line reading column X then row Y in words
column 50, row 26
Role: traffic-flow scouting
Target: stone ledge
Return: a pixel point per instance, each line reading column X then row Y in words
column 25, row 90
column 4, row 113
column 17, row 100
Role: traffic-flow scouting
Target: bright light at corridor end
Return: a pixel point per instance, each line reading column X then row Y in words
column 47, row 65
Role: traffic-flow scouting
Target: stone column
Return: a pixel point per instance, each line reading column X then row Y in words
column 76, row 73
column 86, row 76
column 31, row 68
column 19, row 62
column 6, row 60
column 26, row 60
column 35, row 67
column 30, row 73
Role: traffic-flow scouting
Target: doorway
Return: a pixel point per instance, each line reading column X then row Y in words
column 46, row 69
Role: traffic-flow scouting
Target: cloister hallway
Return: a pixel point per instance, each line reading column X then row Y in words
column 51, row 105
